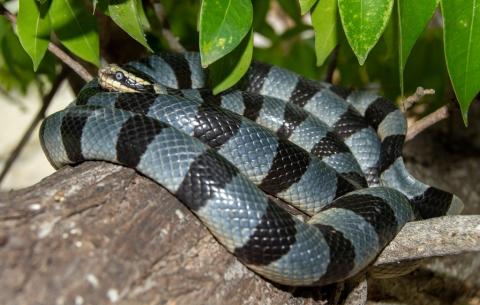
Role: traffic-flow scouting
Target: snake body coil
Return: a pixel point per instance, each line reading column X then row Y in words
column 212, row 158
column 371, row 126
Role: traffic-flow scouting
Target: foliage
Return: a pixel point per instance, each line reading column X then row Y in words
column 393, row 46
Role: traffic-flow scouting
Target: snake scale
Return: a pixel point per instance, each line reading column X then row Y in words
column 334, row 154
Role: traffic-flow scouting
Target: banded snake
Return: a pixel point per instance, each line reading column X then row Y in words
column 311, row 144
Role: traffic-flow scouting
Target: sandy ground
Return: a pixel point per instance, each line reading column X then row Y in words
column 31, row 166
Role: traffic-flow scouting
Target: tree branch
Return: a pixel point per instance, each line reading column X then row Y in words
column 55, row 50
column 96, row 232
column 426, row 122
column 441, row 236
column 69, row 61
column 414, row 98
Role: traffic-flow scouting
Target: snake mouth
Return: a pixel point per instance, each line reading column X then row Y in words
column 114, row 78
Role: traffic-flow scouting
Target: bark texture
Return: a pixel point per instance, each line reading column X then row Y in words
column 100, row 234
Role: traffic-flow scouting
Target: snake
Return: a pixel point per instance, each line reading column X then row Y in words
column 371, row 126
column 221, row 154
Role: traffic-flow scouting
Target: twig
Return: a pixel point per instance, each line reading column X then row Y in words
column 332, row 65
column 412, row 99
column 172, row 41
column 433, row 238
column 72, row 63
column 46, row 100
column 55, row 50
column 426, row 122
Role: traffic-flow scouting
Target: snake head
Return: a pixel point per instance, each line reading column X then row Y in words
column 115, row 78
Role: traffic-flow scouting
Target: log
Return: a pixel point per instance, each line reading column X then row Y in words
column 102, row 234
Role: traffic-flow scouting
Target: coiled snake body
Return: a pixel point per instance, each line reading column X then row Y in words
column 317, row 151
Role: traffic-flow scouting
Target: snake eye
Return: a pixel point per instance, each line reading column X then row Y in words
column 119, row 76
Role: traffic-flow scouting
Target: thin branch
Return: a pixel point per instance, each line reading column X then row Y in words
column 426, row 122
column 69, row 61
column 46, row 100
column 414, row 98
column 59, row 53
column 435, row 237
column 172, row 41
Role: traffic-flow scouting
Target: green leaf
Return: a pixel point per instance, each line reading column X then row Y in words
column 223, row 25
column 33, row 26
column 462, row 47
column 17, row 61
column 363, row 22
column 413, row 16
column 324, row 21
column 306, row 5
column 128, row 15
column 76, row 29
column 143, row 16
column 227, row 71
